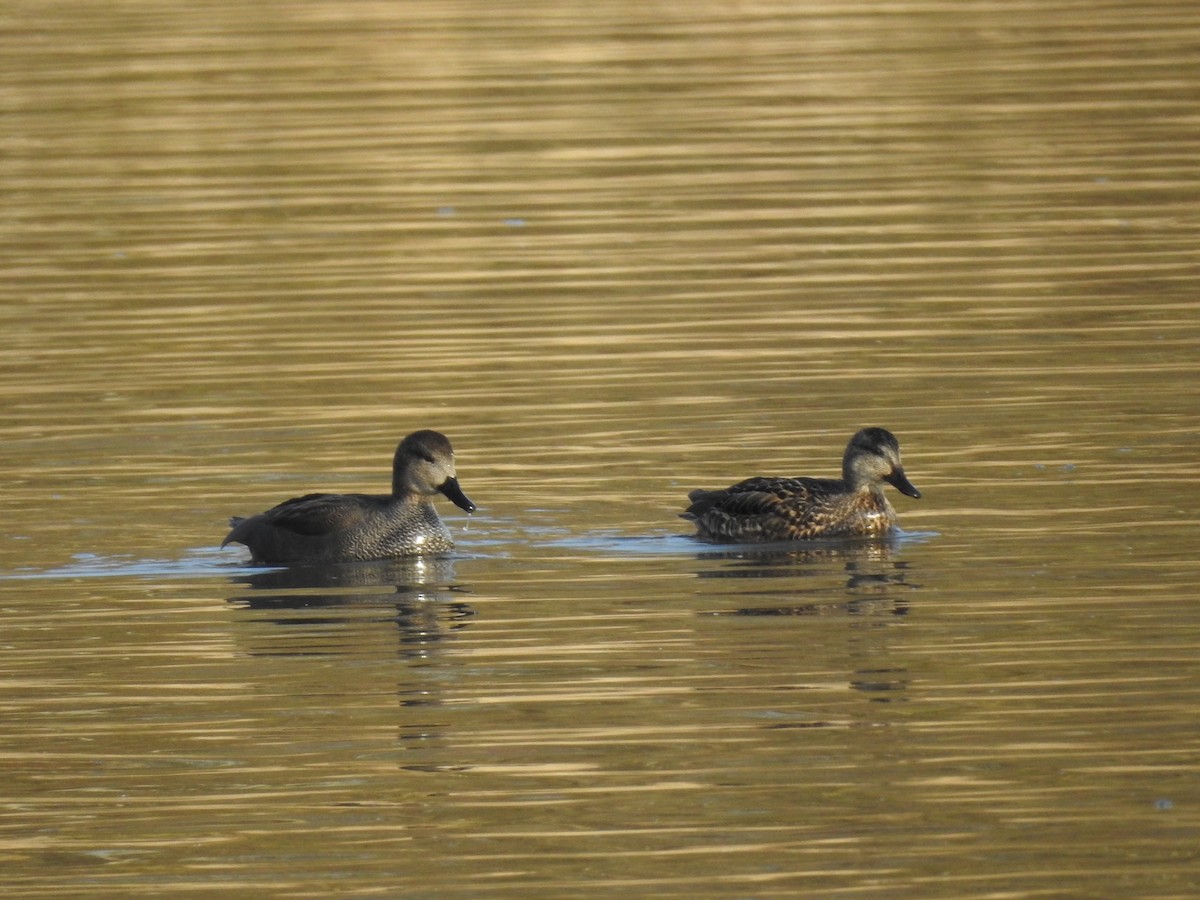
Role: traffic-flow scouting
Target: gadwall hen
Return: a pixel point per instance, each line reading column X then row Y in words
column 790, row 509
column 333, row 528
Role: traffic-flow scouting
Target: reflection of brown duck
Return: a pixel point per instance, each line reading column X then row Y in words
column 790, row 509
column 332, row 528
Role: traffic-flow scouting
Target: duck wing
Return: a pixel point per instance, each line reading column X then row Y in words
column 316, row 514
column 761, row 495
column 312, row 515
column 763, row 508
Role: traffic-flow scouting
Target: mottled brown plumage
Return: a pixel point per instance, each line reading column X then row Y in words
column 333, row 528
column 790, row 509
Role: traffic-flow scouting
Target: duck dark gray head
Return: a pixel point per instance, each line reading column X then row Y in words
column 424, row 464
column 872, row 456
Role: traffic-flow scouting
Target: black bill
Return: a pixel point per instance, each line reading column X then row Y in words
column 455, row 495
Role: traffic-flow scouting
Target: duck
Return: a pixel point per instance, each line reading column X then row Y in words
column 765, row 509
column 334, row 528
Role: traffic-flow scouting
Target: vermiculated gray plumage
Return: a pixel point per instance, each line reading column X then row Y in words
column 333, row 528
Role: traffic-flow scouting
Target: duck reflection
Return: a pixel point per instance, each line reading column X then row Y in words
column 861, row 581
column 418, row 594
column 869, row 570
column 881, row 685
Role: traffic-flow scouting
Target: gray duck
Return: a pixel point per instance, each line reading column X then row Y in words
column 334, row 528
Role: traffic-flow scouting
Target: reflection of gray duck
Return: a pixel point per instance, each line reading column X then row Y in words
column 332, row 528
column 790, row 509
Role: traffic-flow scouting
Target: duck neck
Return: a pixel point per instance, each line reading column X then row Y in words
column 853, row 480
column 397, row 475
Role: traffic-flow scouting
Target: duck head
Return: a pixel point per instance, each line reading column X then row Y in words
column 424, row 464
column 872, row 456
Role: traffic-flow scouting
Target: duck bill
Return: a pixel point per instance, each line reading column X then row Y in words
column 900, row 482
column 455, row 495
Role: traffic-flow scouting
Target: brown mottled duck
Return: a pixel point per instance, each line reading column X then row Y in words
column 766, row 509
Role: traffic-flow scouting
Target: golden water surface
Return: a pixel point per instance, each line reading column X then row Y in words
column 616, row 251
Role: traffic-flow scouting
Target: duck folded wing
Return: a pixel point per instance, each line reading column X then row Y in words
column 323, row 513
column 758, row 495
column 317, row 514
column 737, row 515
column 757, row 509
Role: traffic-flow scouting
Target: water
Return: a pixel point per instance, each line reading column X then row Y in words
column 615, row 252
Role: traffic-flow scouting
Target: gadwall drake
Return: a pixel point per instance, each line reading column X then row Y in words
column 332, row 528
column 793, row 509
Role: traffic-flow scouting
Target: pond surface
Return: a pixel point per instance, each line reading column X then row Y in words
column 616, row 252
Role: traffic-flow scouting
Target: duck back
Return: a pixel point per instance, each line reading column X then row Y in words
column 788, row 509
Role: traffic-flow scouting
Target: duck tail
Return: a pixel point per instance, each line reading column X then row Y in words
column 234, row 522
